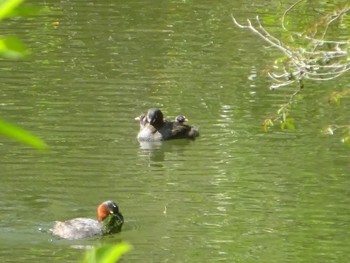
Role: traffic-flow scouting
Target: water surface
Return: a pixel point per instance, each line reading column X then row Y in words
column 236, row 194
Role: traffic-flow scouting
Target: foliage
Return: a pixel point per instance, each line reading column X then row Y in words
column 344, row 129
column 21, row 135
column 13, row 48
column 7, row 7
column 311, row 57
column 283, row 116
column 314, row 54
column 106, row 253
column 335, row 98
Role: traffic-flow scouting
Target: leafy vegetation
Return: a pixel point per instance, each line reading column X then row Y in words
column 316, row 54
column 106, row 253
column 13, row 48
column 19, row 134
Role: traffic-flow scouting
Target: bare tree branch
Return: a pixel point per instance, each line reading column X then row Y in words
column 312, row 63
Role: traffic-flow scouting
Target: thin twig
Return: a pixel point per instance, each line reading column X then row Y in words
column 266, row 38
column 333, row 19
column 276, row 86
column 314, row 65
column 285, row 13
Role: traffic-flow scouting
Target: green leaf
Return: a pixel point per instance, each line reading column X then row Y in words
column 18, row 134
column 7, row 6
column 106, row 253
column 290, row 126
column 284, row 116
column 25, row 11
column 12, row 48
column 346, row 140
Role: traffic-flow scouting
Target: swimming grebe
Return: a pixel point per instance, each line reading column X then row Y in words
column 109, row 221
column 153, row 127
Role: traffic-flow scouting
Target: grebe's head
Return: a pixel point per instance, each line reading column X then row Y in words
column 155, row 117
column 112, row 220
column 105, row 209
column 181, row 119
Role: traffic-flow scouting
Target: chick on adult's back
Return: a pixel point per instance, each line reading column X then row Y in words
column 155, row 128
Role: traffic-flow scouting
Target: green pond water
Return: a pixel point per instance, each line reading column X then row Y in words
column 236, row 194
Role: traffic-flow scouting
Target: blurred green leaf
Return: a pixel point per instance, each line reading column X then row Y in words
column 284, row 116
column 288, row 124
column 346, row 140
column 283, row 125
column 291, row 126
column 7, row 7
column 106, row 253
column 12, row 48
column 19, row 134
column 25, row 11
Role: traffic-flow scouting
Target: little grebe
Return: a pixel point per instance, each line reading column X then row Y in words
column 153, row 127
column 110, row 221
